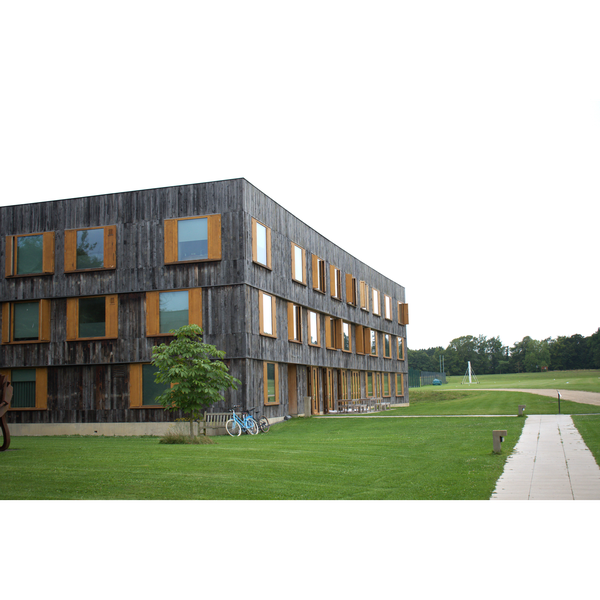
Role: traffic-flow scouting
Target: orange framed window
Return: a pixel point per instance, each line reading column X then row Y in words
column 318, row 274
column 298, row 264
column 335, row 281
column 169, row 310
column 373, row 342
column 364, row 296
column 267, row 314
column 271, row 383
column 143, row 389
column 351, row 290
column 30, row 388
column 386, row 385
column 93, row 317
column 29, row 254
column 399, row 384
column 261, row 244
column 91, row 248
column 387, row 307
column 192, row 239
column 314, row 328
column 400, row 348
column 294, row 322
column 376, row 302
column 387, row 345
column 26, row 322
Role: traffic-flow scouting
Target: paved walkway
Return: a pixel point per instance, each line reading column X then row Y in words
column 549, row 462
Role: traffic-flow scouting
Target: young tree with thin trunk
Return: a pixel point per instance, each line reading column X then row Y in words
column 195, row 370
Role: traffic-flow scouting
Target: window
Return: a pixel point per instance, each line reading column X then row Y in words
column 364, row 296
column 387, row 345
column 373, row 343
column 26, row 322
column 30, row 254
column 330, row 333
column 261, row 244
column 93, row 318
column 143, row 389
column 376, row 302
column 335, row 277
column 318, row 274
column 346, row 337
column 370, row 390
column 402, row 313
column 399, row 384
column 267, row 315
column 377, row 384
column 314, row 329
column 30, row 388
column 193, row 239
column 91, row 248
column 343, row 385
column 294, row 322
column 298, row 262
column 351, row 289
column 356, row 393
column 271, row 383
column 170, row 310
column 400, row 348
column 387, row 302
column 386, row 385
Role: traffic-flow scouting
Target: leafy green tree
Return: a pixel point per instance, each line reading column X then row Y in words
column 195, row 370
column 537, row 355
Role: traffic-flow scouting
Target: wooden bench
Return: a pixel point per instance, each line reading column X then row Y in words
column 214, row 421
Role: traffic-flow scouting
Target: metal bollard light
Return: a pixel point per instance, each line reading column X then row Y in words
column 498, row 437
column 521, row 409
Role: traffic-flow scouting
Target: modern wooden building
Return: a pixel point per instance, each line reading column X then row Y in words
column 91, row 284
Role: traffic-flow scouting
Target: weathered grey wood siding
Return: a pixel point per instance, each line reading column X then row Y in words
column 82, row 385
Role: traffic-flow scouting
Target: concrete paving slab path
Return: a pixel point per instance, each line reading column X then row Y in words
column 549, row 462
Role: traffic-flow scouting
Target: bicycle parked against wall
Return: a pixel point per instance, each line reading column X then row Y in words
column 236, row 424
column 263, row 422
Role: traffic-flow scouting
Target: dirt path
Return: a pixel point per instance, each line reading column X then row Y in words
column 573, row 395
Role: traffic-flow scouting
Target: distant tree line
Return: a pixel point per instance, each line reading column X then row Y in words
column 489, row 355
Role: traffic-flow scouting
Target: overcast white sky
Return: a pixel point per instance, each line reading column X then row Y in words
column 453, row 146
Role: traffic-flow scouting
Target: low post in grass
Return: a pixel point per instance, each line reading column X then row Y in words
column 498, row 437
column 522, row 409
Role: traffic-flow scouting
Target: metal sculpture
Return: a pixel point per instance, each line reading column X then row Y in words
column 6, row 392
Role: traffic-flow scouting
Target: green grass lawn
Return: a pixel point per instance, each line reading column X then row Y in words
column 586, row 381
column 442, row 400
column 589, row 428
column 310, row 459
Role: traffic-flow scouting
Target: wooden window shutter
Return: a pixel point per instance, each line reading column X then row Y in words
column 332, row 282
column 367, row 339
column 152, row 313
column 170, row 241
column 70, row 250
column 360, row 339
column 112, row 316
column 135, row 385
column 338, row 334
column 72, row 319
column 44, row 331
column 110, row 247
column 328, row 340
column 9, row 251
column 290, row 313
column 195, row 306
column 41, row 388
column 6, row 322
column 315, row 272
column 214, row 237
column 403, row 314
column 268, row 247
column 48, row 252
column 349, row 288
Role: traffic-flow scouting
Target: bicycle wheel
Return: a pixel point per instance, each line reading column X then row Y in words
column 251, row 426
column 264, row 424
column 233, row 427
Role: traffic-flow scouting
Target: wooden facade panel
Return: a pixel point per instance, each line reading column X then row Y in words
column 228, row 305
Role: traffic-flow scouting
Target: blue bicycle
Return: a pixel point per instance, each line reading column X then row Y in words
column 236, row 425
